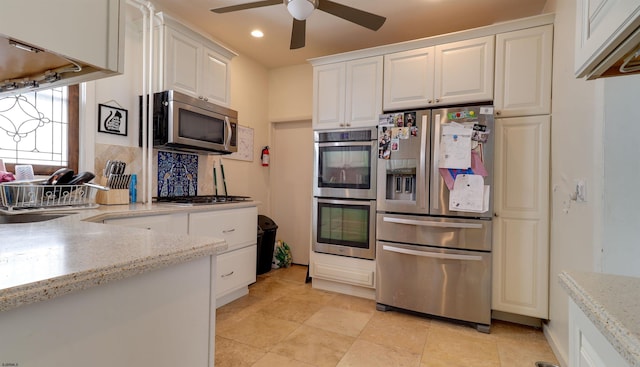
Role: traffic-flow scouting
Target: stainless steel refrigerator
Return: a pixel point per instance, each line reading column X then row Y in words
column 434, row 210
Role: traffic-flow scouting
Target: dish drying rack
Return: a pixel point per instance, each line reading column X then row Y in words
column 19, row 196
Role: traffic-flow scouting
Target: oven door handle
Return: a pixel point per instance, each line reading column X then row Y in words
column 426, row 223
column 436, row 255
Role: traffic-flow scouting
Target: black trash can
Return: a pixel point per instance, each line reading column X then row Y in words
column 266, row 242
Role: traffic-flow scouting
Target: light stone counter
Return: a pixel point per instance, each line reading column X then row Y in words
column 612, row 303
column 44, row 260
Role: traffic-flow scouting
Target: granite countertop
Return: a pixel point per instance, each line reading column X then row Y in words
column 44, row 260
column 612, row 303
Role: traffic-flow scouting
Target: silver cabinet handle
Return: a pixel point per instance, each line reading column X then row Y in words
column 426, row 223
column 228, row 230
column 226, row 275
column 435, row 255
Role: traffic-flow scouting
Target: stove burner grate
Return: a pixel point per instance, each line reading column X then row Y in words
column 204, row 199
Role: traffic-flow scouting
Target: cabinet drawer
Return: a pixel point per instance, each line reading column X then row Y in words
column 238, row 227
column 360, row 277
column 167, row 223
column 235, row 269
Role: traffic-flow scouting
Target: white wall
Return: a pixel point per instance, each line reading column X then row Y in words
column 576, row 153
column 250, row 97
column 621, row 217
column 595, row 138
column 291, row 93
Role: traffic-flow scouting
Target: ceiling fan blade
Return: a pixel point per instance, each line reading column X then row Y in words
column 360, row 17
column 257, row 4
column 298, row 34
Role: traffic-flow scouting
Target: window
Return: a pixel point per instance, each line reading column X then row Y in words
column 40, row 128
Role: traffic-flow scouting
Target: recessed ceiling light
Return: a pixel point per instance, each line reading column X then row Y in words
column 257, row 33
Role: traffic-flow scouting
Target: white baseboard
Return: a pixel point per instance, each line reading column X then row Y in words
column 561, row 355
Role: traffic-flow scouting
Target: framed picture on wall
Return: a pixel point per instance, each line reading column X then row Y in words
column 112, row 120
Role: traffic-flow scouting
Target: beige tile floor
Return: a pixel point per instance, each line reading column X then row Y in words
column 284, row 322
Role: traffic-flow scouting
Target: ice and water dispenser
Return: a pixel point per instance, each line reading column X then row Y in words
column 401, row 179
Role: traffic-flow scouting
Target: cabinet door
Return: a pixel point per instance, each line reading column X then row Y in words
column 464, row 71
column 600, row 25
column 235, row 269
column 167, row 223
column 587, row 346
column 215, row 78
column 408, row 79
column 183, row 57
column 238, row 227
column 329, row 96
column 363, row 92
column 523, row 72
column 521, row 226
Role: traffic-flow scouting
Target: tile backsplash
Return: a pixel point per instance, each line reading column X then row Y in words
column 133, row 157
column 177, row 174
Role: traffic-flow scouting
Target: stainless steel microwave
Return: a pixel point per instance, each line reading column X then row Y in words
column 182, row 122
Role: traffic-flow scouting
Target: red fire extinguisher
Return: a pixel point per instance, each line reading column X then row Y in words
column 265, row 156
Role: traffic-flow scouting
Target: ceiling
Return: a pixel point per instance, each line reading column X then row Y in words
column 328, row 34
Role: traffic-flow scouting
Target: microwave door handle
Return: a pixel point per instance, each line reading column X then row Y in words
column 436, row 255
column 227, row 123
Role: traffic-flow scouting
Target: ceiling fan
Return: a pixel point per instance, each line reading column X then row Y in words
column 302, row 9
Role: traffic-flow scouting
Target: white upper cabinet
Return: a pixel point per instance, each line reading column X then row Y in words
column 347, row 94
column 363, row 92
column 216, row 77
column 328, row 95
column 182, row 63
column 194, row 65
column 408, row 79
column 452, row 73
column 464, row 71
column 523, row 72
column 606, row 30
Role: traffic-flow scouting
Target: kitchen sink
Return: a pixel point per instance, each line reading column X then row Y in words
column 30, row 217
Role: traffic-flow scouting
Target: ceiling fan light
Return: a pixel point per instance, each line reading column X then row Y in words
column 301, row 9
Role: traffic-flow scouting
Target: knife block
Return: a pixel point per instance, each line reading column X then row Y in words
column 113, row 196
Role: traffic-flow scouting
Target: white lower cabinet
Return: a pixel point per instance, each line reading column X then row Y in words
column 236, row 268
column 168, row 223
column 521, row 223
column 587, row 346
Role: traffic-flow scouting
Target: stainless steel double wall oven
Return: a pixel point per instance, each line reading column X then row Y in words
column 344, row 189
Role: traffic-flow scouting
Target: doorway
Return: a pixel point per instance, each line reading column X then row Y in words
column 290, row 181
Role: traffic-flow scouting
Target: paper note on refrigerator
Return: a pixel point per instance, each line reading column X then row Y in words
column 469, row 194
column 477, row 168
column 455, row 147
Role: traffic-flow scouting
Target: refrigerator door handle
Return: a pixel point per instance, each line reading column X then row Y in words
column 426, row 223
column 436, row 255
column 424, row 199
column 435, row 174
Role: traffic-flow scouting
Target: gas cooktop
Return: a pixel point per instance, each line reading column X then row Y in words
column 202, row 200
